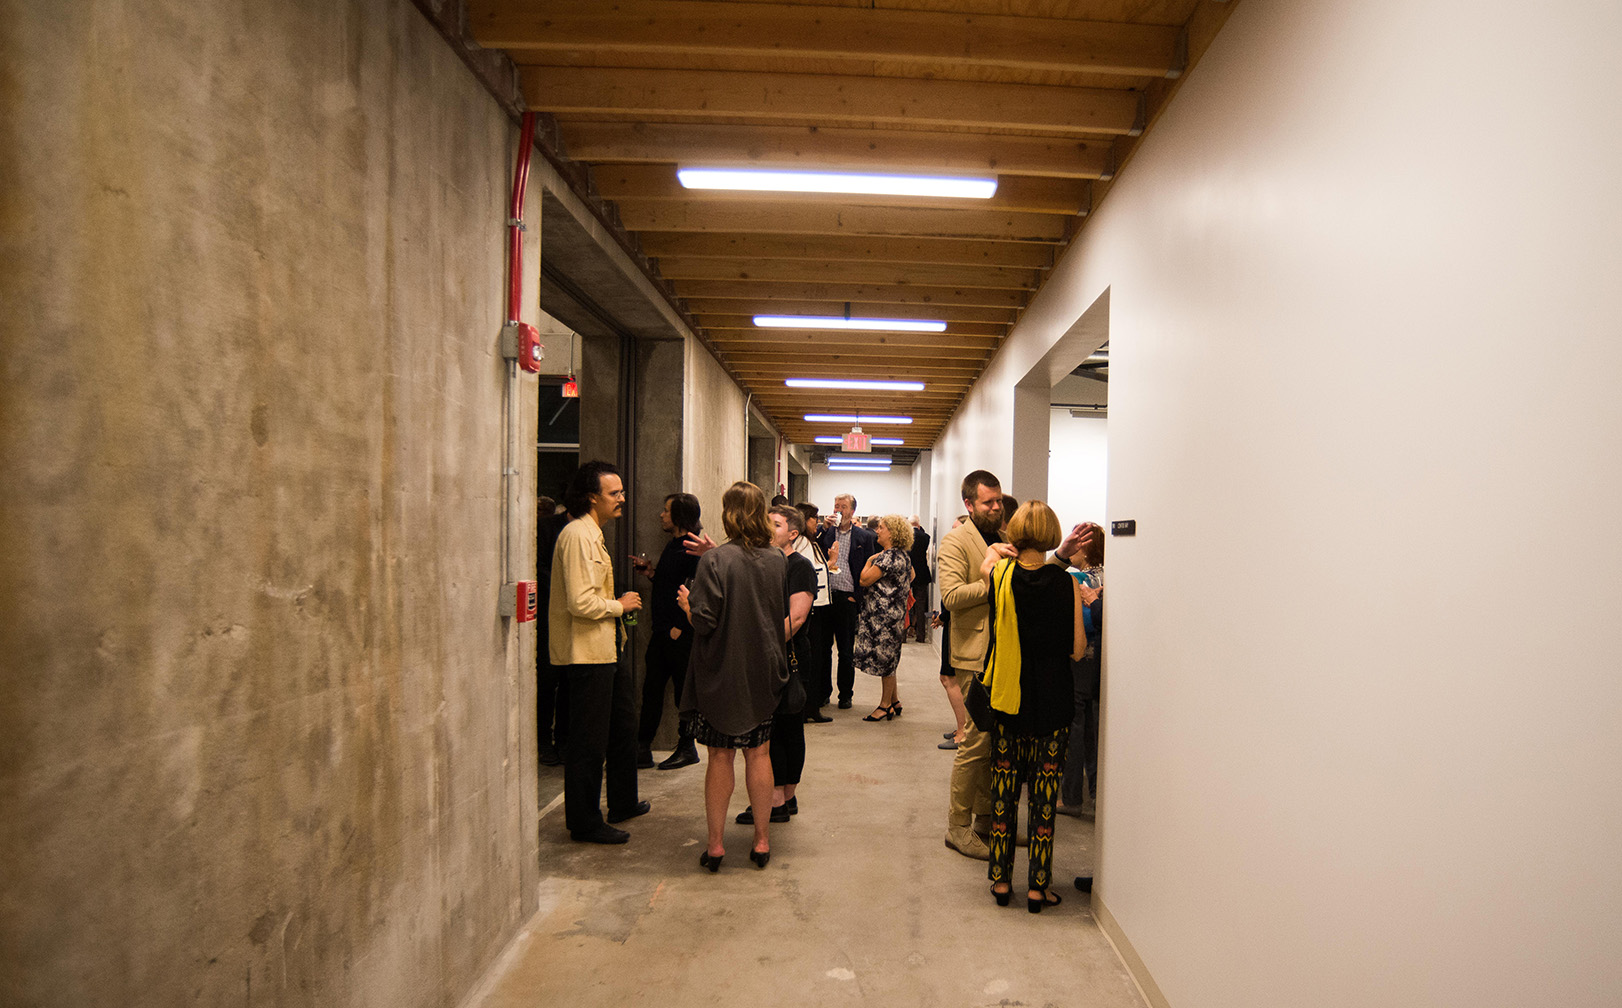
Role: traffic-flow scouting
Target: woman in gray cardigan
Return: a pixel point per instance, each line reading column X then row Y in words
column 738, row 668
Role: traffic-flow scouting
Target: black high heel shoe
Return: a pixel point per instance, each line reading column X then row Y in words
column 1048, row 899
column 710, row 861
column 889, row 712
column 895, row 708
column 760, row 857
column 1001, row 897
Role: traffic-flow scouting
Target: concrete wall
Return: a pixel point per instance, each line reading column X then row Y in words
column 715, row 444
column 1359, row 710
column 263, row 736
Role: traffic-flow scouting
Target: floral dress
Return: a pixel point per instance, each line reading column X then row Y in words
column 882, row 623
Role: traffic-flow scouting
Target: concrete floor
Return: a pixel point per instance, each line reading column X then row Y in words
column 861, row 904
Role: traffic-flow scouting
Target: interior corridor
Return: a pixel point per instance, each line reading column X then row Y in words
column 862, row 903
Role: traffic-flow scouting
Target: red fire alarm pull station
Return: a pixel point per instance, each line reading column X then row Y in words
column 523, row 598
column 530, row 350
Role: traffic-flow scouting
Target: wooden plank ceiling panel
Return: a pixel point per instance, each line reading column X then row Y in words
column 1049, row 96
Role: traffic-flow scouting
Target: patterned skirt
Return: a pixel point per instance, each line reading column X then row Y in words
column 706, row 734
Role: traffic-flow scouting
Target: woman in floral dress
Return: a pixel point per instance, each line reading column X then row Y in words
column 882, row 624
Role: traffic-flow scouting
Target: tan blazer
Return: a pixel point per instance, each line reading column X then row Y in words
column 964, row 593
column 582, row 607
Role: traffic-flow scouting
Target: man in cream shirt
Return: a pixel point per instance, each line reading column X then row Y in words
column 583, row 615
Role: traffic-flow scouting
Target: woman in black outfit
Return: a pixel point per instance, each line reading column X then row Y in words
column 788, row 724
column 1036, row 632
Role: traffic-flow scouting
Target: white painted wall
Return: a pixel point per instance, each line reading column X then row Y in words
column 1362, row 686
column 875, row 493
column 1078, row 457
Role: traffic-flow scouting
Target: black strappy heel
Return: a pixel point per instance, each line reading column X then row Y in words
column 889, row 712
column 1048, row 899
column 1001, row 897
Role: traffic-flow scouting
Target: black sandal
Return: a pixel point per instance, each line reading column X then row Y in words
column 888, row 714
column 1001, row 897
column 1048, row 899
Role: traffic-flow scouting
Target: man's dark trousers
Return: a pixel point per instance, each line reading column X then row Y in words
column 819, row 677
column 602, row 726
column 667, row 663
column 846, row 607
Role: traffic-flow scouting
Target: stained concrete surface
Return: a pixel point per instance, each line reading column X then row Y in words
column 861, row 904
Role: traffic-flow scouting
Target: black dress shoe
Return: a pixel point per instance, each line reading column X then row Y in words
column 683, row 756
column 640, row 808
column 549, row 756
column 844, row 704
column 780, row 813
column 602, row 834
column 817, row 717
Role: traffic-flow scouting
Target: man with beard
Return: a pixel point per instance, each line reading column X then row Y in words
column 965, row 594
column 584, row 617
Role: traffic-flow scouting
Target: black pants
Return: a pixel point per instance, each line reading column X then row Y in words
column 667, row 663
column 920, row 612
column 819, row 668
column 845, row 610
column 788, row 748
column 551, row 702
column 602, row 726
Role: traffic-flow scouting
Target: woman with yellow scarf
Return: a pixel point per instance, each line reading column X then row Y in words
column 1036, row 632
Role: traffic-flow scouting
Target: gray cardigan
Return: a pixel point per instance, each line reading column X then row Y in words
column 738, row 667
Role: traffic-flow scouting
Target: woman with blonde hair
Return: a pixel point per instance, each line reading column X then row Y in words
column 738, row 669
column 1036, row 632
column 881, row 625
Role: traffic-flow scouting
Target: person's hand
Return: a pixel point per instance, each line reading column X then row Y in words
column 681, row 600
column 675, row 631
column 631, row 601
column 1089, row 594
column 935, row 619
column 833, row 559
column 996, row 551
column 1076, row 541
column 698, row 545
column 641, row 566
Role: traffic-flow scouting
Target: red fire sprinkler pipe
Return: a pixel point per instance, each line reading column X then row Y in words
column 515, row 219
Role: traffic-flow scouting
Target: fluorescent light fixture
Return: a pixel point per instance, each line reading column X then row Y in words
column 846, row 467
column 776, row 180
column 865, row 460
column 840, row 322
column 848, row 418
column 855, row 383
column 885, row 440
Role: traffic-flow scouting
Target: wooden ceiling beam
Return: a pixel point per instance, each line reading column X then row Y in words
column 913, row 295
column 862, row 34
column 1017, row 194
column 818, row 99
column 863, row 274
column 858, row 309
column 833, row 147
column 862, row 248
column 833, row 219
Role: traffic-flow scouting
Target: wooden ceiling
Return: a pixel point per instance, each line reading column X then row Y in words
column 1051, row 96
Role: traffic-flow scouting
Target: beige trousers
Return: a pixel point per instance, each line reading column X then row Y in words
column 971, row 779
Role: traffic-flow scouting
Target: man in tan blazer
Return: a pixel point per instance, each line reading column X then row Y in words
column 965, row 595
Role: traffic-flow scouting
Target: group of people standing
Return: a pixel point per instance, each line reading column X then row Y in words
column 1016, row 628
column 742, row 630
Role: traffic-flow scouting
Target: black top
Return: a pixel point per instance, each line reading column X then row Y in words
column 920, row 559
column 1045, row 602
column 675, row 568
column 801, row 577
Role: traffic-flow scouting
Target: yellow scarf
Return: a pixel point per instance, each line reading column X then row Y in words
column 1002, row 663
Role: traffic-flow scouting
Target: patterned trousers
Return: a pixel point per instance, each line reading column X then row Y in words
column 1024, row 759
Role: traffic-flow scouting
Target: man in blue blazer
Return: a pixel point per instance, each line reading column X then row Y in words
column 856, row 545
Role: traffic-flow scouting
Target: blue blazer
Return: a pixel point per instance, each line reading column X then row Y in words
column 863, row 545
